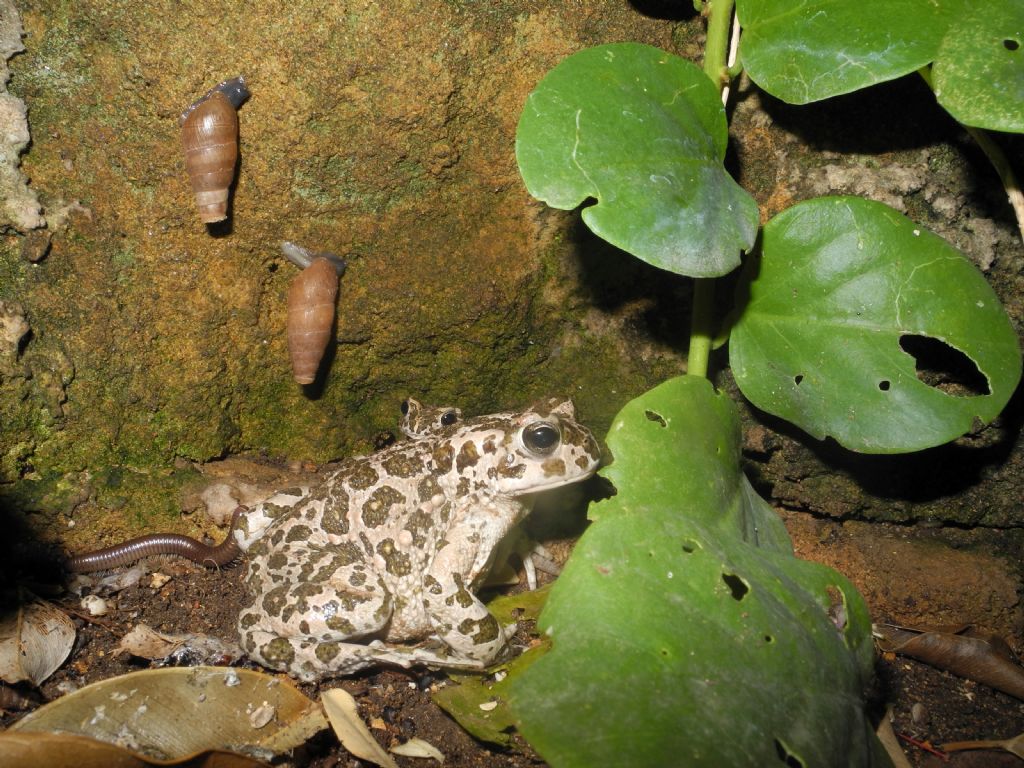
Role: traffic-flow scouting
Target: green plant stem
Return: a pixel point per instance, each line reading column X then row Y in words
column 996, row 157
column 701, row 326
column 716, row 50
column 716, row 53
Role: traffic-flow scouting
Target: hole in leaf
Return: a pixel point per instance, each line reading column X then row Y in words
column 737, row 587
column 786, row 757
column 652, row 416
column 884, row 385
column 944, row 367
column 798, row 378
column 1010, row 44
column 664, row 652
column 689, row 547
column 837, row 607
column 769, row 639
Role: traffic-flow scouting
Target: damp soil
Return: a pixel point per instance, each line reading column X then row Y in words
column 929, row 706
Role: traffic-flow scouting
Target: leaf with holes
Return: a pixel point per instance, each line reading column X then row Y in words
column 814, row 49
column 846, row 294
column 644, row 133
column 684, row 631
column 979, row 68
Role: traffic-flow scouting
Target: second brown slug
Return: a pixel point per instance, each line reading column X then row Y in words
column 209, row 136
column 311, row 301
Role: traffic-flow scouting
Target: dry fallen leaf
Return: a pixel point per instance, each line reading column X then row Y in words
column 189, row 649
column 986, row 660
column 145, row 642
column 418, row 748
column 350, row 729
column 887, row 736
column 1014, row 746
column 184, row 711
column 62, row 750
column 34, row 640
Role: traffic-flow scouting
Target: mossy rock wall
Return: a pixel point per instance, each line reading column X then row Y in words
column 380, row 131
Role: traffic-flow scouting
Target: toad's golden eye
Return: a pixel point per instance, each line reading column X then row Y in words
column 541, row 437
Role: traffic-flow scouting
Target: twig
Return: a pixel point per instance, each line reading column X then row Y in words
column 925, row 746
column 1001, row 163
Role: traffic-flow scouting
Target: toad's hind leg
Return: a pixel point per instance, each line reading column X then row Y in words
column 309, row 660
column 308, row 601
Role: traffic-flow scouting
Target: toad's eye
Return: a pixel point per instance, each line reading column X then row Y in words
column 541, row 437
column 448, row 418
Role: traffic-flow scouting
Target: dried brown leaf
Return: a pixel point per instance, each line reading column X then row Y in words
column 1014, row 746
column 179, row 712
column 975, row 658
column 64, row 750
column 350, row 728
column 34, row 640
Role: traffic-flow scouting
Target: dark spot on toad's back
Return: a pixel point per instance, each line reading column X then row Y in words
column 397, row 563
column 403, row 464
column 443, row 456
column 377, row 508
column 428, row 488
column 299, row 533
column 468, row 456
column 361, row 476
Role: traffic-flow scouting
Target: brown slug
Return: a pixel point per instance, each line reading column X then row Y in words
column 129, row 551
column 311, row 300
column 209, row 136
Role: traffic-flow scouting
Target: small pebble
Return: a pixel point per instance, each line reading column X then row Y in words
column 919, row 713
column 95, row 605
column 262, row 715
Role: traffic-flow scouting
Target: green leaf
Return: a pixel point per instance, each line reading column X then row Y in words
column 479, row 703
column 807, row 50
column 840, row 282
column 684, row 631
column 644, row 133
column 979, row 68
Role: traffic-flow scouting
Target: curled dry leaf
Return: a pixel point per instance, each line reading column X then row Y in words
column 1014, row 746
column 34, row 640
column 350, row 729
column 178, row 712
column 187, row 649
column 418, row 748
column 984, row 659
column 62, row 750
column 890, row 742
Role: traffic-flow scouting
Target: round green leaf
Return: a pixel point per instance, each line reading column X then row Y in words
column 979, row 69
column 807, row 51
column 644, row 133
column 684, row 632
column 841, row 280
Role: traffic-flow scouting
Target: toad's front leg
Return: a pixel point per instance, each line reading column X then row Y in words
column 458, row 617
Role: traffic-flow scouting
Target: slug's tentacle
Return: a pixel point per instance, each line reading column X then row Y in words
column 128, row 552
column 209, row 136
column 235, row 90
column 303, row 257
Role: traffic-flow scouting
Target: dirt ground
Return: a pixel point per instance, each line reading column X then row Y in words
column 914, row 576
